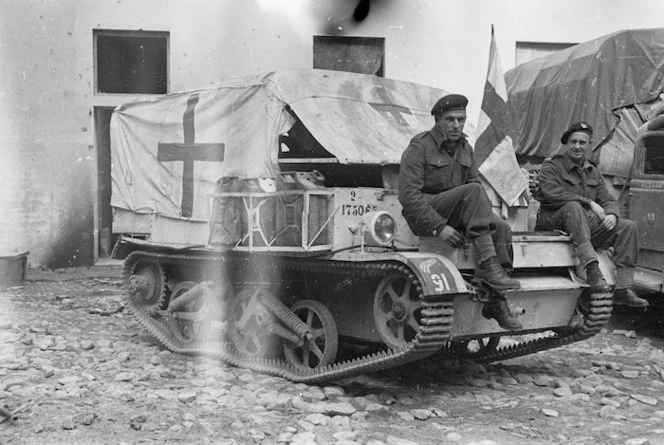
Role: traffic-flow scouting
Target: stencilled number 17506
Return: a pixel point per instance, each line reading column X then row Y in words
column 356, row 209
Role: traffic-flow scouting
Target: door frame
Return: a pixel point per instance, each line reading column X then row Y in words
column 103, row 231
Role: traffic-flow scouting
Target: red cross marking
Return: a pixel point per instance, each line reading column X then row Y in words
column 395, row 110
column 188, row 152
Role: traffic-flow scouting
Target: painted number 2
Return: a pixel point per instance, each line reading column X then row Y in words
column 440, row 281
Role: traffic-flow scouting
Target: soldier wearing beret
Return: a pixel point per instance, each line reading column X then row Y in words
column 574, row 199
column 441, row 196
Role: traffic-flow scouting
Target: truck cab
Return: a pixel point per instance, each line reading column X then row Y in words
column 644, row 201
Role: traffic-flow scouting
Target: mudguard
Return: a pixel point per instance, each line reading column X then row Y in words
column 436, row 273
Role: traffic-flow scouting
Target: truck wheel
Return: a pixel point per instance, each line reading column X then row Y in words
column 321, row 349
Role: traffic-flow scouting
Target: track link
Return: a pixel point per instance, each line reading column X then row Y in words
column 597, row 315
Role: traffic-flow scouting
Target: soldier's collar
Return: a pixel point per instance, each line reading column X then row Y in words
column 439, row 137
column 570, row 164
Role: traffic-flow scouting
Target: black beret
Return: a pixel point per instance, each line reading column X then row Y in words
column 450, row 102
column 579, row 126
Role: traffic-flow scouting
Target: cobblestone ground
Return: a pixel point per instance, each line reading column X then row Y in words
column 74, row 368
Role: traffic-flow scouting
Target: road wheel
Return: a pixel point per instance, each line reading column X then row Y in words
column 397, row 310
column 250, row 325
column 321, row 348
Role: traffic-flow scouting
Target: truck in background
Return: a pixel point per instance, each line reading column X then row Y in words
column 643, row 200
column 615, row 84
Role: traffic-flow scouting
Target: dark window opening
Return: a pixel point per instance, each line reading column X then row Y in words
column 131, row 62
column 653, row 156
column 364, row 55
column 300, row 151
column 527, row 51
column 299, row 143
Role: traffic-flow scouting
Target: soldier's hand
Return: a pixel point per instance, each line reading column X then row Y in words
column 599, row 211
column 451, row 236
column 610, row 221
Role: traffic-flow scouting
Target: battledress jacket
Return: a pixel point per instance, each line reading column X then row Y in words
column 561, row 181
column 427, row 169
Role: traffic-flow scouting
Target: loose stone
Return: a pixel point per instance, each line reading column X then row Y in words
column 438, row 412
column 406, row 416
column 333, row 392
column 314, row 394
column 334, row 408
column 524, row 379
column 317, row 419
column 124, row 377
column 421, row 414
column 607, row 401
column 344, row 435
column 69, row 380
column 339, row 423
column 543, row 380
column 648, row 400
column 393, row 440
column 563, row 391
column 630, row 374
column 508, row 381
column 186, row 396
column 637, row 441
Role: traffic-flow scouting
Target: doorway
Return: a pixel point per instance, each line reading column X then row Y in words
column 106, row 239
column 130, row 63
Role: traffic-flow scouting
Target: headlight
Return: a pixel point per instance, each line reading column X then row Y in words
column 379, row 228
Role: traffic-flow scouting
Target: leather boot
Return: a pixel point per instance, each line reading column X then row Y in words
column 627, row 297
column 595, row 278
column 493, row 275
column 498, row 309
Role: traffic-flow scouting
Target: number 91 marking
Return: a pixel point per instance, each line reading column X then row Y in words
column 440, row 281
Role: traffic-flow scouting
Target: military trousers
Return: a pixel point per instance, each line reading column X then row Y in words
column 587, row 233
column 467, row 209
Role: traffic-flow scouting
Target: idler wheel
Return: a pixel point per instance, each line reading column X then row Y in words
column 147, row 286
column 320, row 348
column 397, row 310
column 250, row 325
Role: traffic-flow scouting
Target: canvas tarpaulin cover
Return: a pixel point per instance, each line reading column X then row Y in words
column 168, row 152
column 589, row 82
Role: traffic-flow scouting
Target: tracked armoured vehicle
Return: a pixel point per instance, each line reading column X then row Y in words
column 260, row 225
